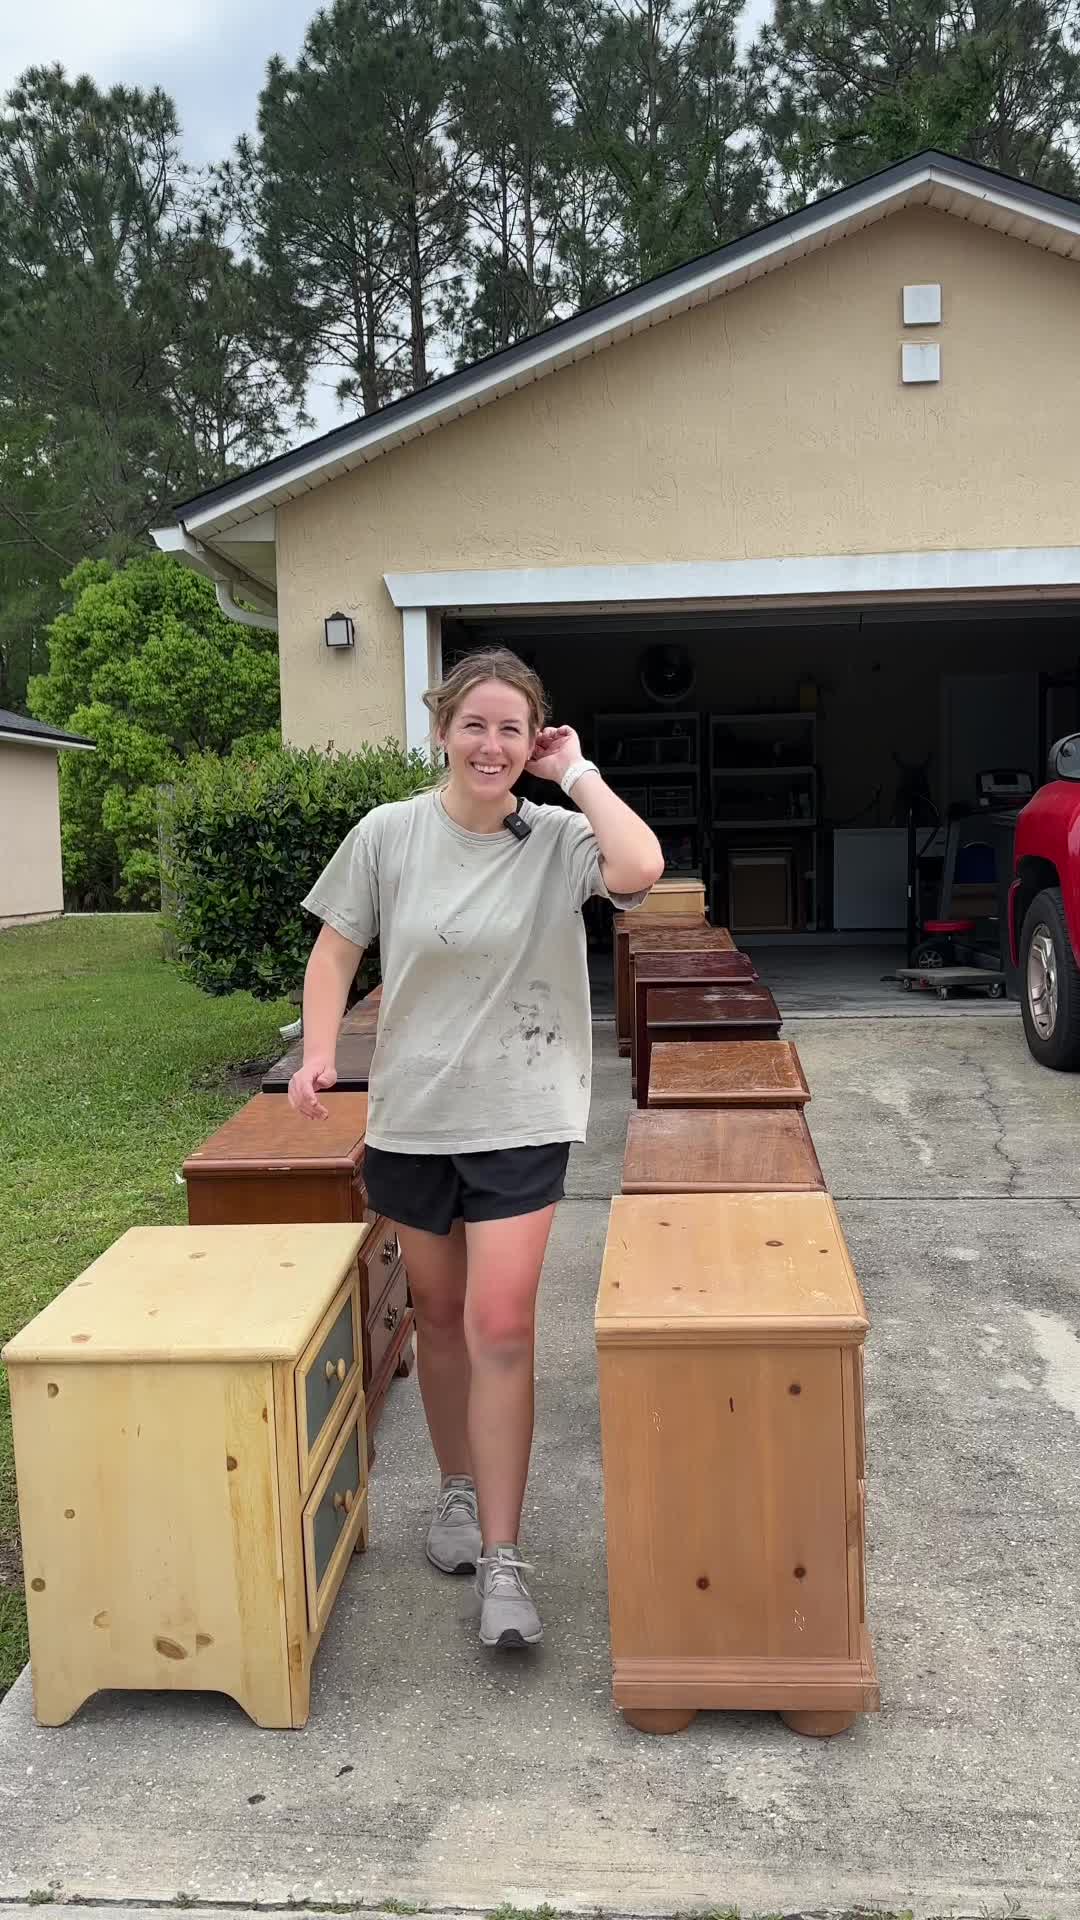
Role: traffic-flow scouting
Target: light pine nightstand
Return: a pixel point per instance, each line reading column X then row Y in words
column 730, row 1331
column 192, row 1464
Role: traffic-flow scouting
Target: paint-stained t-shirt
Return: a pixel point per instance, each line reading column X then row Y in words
column 484, row 1037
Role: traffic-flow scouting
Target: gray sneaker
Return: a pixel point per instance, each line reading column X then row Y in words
column 453, row 1541
column 508, row 1618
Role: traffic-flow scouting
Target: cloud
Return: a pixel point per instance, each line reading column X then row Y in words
column 211, row 59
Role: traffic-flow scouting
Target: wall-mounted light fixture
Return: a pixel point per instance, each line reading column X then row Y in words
column 338, row 628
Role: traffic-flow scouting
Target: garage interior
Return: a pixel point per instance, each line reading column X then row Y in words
column 777, row 753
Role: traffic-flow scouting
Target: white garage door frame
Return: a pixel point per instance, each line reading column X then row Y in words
column 877, row 581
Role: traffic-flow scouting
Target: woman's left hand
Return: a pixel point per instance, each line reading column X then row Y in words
column 555, row 749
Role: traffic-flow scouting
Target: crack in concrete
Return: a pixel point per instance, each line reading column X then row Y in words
column 998, row 1144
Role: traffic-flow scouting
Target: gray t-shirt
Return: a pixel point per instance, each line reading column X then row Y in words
column 484, row 1036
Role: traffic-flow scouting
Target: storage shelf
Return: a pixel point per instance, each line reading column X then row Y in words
column 760, row 719
column 688, row 769
column 670, row 819
column 768, row 773
column 754, row 826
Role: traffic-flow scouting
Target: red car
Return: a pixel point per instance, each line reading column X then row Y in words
column 1044, row 912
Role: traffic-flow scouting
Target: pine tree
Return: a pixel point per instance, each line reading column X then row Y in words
column 853, row 86
column 665, row 107
column 307, row 197
column 505, row 101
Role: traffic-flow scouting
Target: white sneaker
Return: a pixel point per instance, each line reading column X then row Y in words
column 453, row 1541
column 508, row 1618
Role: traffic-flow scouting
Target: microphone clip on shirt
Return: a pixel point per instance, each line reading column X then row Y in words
column 516, row 825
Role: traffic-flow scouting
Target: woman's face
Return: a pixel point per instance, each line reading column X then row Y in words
column 489, row 738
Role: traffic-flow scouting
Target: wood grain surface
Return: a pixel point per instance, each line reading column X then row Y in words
column 727, row 1073
column 720, row 1150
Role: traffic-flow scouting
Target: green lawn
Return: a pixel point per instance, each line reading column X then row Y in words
column 112, row 1070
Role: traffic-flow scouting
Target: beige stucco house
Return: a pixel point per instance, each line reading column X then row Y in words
column 835, row 465
column 31, row 876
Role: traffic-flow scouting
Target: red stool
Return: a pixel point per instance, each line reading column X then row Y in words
column 937, row 948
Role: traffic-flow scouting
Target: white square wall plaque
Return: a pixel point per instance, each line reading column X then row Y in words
column 922, row 306
column 920, row 364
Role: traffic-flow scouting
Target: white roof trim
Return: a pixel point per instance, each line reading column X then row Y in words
column 1004, row 568
column 216, row 567
column 41, row 740
column 935, row 182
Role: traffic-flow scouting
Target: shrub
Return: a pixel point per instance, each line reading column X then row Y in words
column 146, row 665
column 244, row 838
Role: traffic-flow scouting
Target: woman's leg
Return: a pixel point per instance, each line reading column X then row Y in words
column 435, row 1264
column 504, row 1262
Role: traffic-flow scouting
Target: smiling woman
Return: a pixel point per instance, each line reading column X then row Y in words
column 482, row 1068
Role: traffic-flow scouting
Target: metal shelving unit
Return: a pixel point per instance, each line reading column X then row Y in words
column 766, row 764
column 653, row 760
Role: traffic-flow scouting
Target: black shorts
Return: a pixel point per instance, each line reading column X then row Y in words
column 432, row 1190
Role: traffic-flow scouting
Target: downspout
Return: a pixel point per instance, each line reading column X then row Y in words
column 175, row 539
column 232, row 611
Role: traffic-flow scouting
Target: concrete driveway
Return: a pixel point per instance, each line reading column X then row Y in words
column 435, row 1774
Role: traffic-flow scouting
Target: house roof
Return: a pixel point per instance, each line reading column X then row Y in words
column 225, row 516
column 17, row 726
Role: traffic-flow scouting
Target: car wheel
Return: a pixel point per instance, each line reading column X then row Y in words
column 1050, row 981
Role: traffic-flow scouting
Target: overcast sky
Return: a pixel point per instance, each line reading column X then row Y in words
column 210, row 57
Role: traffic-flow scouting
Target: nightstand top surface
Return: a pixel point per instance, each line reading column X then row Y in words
column 266, row 1132
column 726, row 1264
column 195, row 1294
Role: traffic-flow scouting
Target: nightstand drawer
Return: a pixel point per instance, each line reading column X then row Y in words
column 335, row 1515
column 385, row 1320
column 325, row 1378
column 381, row 1253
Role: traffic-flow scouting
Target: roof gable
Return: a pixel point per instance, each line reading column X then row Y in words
column 956, row 187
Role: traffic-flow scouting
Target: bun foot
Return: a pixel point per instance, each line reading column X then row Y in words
column 659, row 1719
column 817, row 1723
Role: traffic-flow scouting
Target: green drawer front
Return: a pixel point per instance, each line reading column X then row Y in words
column 330, row 1520
column 322, row 1393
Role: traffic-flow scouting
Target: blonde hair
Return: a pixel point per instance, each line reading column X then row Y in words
column 493, row 663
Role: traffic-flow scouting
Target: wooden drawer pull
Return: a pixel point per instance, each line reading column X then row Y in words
column 391, row 1251
column 343, row 1501
column 337, row 1372
column 391, row 1318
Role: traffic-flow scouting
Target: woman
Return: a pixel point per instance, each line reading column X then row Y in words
column 482, row 1070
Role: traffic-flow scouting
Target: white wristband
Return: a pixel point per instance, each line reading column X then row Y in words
column 574, row 773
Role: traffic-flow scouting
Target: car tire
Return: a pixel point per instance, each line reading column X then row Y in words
column 1050, row 985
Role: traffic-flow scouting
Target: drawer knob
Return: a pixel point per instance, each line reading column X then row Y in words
column 336, row 1371
column 391, row 1318
column 343, row 1501
column 390, row 1251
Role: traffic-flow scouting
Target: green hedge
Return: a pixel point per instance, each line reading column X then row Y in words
column 242, row 840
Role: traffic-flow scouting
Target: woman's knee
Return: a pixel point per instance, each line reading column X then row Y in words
column 436, row 1270
column 500, row 1325
column 439, row 1310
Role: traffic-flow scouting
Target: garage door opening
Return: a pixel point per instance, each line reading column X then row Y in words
column 777, row 755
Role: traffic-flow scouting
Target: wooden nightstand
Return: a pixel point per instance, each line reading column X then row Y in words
column 270, row 1164
column 658, row 969
column 720, row 1150
column 729, row 1330
column 656, row 928
column 726, row 1073
column 192, row 1465
column 693, row 1016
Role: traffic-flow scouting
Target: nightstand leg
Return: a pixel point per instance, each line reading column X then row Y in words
column 360, row 1544
column 56, row 1701
column 659, row 1719
column 818, row 1724
column 406, row 1360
